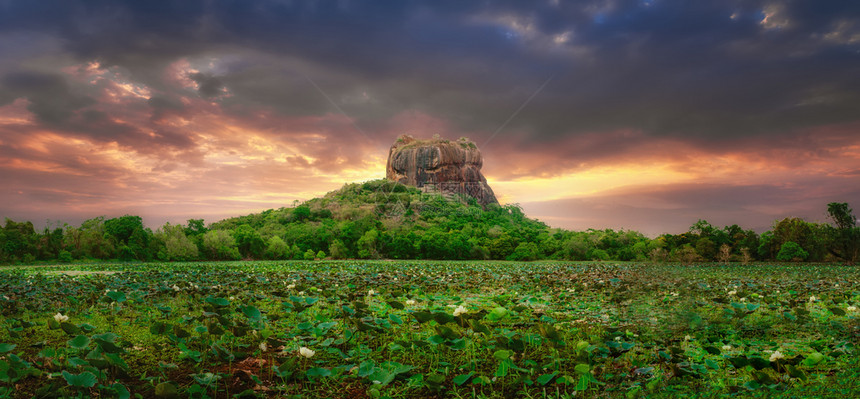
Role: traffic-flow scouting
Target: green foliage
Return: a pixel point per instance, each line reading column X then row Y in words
column 526, row 251
column 842, row 215
column 367, row 244
column 846, row 236
column 177, row 246
column 791, row 251
column 64, row 256
column 706, row 248
column 125, row 253
column 277, row 249
column 338, row 250
column 430, row 329
column 249, row 242
column 384, row 219
column 220, row 245
column 122, row 228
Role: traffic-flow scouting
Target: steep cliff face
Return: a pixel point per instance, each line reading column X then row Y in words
column 436, row 165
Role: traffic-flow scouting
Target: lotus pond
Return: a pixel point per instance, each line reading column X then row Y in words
column 429, row 329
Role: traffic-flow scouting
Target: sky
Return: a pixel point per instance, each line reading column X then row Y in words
column 642, row 115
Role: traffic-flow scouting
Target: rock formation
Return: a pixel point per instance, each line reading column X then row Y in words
column 450, row 168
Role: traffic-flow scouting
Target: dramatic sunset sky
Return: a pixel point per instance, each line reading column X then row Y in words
column 642, row 114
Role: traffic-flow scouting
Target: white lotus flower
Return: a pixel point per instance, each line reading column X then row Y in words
column 776, row 355
column 307, row 352
column 460, row 310
column 410, row 302
column 176, row 287
column 743, row 299
column 59, row 317
column 232, row 298
column 674, row 294
column 371, row 292
column 812, row 298
column 851, row 308
column 263, row 346
column 687, row 338
column 727, row 347
column 733, row 293
column 291, row 286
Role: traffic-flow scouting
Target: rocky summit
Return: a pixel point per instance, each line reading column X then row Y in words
column 450, row 168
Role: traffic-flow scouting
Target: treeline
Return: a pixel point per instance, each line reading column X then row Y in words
column 382, row 219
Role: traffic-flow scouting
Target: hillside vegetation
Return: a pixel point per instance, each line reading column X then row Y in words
column 383, row 219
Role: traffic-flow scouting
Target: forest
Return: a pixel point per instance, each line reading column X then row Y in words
column 380, row 219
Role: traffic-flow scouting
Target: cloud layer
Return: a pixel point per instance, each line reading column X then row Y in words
column 640, row 114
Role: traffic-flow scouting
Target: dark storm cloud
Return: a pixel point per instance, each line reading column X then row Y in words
column 709, row 72
column 50, row 97
column 164, row 106
column 207, row 84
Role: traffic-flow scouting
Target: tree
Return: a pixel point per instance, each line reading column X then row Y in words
column 597, row 254
column 129, row 236
column 301, row 212
column 809, row 236
column 842, row 215
column 277, row 248
column 17, row 241
column 746, row 256
column 93, row 241
column 367, row 244
column 195, row 228
column 766, row 246
column 338, row 250
column 64, row 256
column 791, row 251
column 502, row 246
column 686, row 255
column 220, row 245
column 702, row 228
column 296, row 252
column 725, row 254
column 249, row 242
column 846, row 237
column 177, row 246
column 123, row 227
column 403, row 246
column 706, row 248
column 525, row 251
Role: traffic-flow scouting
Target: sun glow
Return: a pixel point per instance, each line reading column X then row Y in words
column 585, row 183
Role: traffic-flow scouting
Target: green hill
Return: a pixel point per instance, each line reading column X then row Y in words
column 381, row 218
